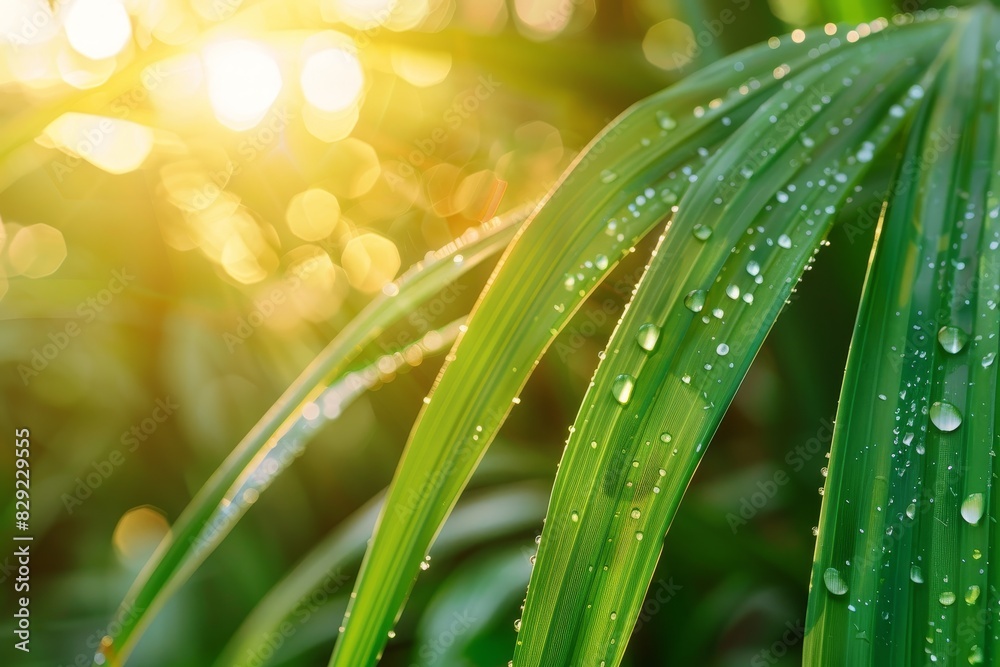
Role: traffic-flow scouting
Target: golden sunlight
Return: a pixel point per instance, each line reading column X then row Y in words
column 243, row 82
column 332, row 79
column 98, row 29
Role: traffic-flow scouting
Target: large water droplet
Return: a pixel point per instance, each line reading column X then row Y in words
column 665, row 437
column 636, row 513
column 648, row 334
column 574, row 516
column 722, row 350
column 973, row 507
column 753, row 268
column 947, row 598
column 952, row 339
column 784, row 241
column 622, row 387
column 972, row 594
column 975, row 655
column 701, row 232
column 733, row 292
column 835, row 581
column 988, row 359
column 945, row 416
column 601, row 262
column 916, row 576
column 517, row 625
column 695, row 300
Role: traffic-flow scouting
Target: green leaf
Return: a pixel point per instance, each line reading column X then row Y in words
column 624, row 183
column 901, row 573
column 698, row 318
column 284, row 430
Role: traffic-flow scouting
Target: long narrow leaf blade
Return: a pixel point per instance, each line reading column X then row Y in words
column 686, row 341
column 907, row 534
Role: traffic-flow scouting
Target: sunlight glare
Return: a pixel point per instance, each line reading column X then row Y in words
column 332, row 79
column 98, row 29
column 243, row 82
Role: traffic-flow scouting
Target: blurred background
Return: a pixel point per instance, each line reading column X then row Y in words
column 197, row 195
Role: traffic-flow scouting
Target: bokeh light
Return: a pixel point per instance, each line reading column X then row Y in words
column 98, row 29
column 243, row 82
column 114, row 145
column 669, row 44
column 371, row 261
column 332, row 79
column 313, row 214
column 36, row 251
column 138, row 533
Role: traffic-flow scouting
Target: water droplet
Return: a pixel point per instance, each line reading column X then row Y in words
column 622, row 387
column 753, row 268
column 570, row 282
column 392, row 634
column 835, row 582
column 973, row 507
column 952, row 339
column 608, row 176
column 975, row 655
column 648, row 334
column 574, row 516
column 977, row 554
column 638, row 535
column 517, row 625
column 665, row 437
column 695, row 300
column 988, row 359
column 614, row 615
column 972, row 594
column 601, row 262
column 701, row 232
column 947, row 598
column 636, row 513
column 945, row 416
column 911, row 510
column 784, row 241
column 665, row 120
column 916, row 576
column 733, row 292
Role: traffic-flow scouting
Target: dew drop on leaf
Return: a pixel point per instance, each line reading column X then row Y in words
column 695, row 300
column 947, row 598
column 665, row 437
column 835, row 582
column 972, row 594
column 973, row 507
column 945, row 416
column 622, row 387
column 701, row 232
column 753, row 268
column 952, row 339
column 648, row 335
column 916, row 576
